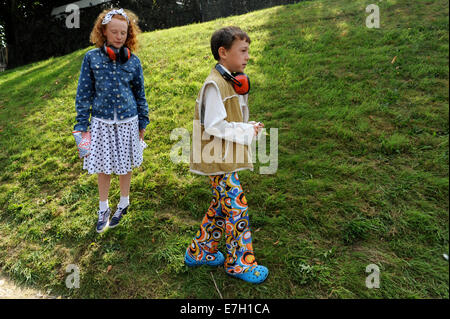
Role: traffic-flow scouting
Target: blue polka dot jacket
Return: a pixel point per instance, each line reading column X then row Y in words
column 106, row 86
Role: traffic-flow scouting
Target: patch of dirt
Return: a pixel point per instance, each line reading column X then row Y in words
column 9, row 290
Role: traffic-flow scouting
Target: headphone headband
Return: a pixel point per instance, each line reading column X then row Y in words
column 227, row 76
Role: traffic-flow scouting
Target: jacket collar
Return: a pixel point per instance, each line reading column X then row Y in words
column 102, row 55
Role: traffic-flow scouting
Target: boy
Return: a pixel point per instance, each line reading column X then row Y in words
column 221, row 117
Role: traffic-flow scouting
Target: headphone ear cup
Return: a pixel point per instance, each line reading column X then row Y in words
column 125, row 54
column 110, row 52
column 245, row 83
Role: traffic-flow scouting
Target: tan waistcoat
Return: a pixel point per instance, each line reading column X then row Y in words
column 211, row 155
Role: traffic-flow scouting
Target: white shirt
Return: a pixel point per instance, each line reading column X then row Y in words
column 215, row 114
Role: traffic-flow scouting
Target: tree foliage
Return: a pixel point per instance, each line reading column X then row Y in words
column 32, row 33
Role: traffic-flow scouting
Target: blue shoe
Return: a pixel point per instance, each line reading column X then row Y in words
column 255, row 276
column 214, row 260
column 117, row 216
column 103, row 220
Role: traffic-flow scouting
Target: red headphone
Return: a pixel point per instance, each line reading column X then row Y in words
column 240, row 81
column 123, row 54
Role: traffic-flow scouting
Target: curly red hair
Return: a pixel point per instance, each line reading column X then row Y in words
column 99, row 39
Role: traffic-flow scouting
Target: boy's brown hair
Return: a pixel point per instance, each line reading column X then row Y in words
column 224, row 38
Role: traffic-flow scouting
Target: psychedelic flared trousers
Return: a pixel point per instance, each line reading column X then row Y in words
column 228, row 213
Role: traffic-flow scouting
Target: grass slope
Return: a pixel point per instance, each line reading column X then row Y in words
column 362, row 176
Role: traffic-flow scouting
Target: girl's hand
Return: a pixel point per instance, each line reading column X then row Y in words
column 257, row 127
column 141, row 134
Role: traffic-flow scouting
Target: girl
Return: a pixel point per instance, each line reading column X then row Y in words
column 111, row 91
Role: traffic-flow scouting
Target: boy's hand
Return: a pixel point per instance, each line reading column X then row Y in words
column 257, row 127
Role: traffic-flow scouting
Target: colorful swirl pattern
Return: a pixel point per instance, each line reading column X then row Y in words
column 228, row 213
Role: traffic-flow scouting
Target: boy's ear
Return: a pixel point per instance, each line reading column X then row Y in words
column 222, row 52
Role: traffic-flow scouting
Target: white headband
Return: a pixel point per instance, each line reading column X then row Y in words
column 110, row 14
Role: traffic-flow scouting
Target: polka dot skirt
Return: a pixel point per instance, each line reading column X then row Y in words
column 115, row 148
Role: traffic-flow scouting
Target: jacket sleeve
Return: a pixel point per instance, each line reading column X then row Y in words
column 85, row 96
column 139, row 94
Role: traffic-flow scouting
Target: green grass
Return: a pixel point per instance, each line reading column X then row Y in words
column 362, row 175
